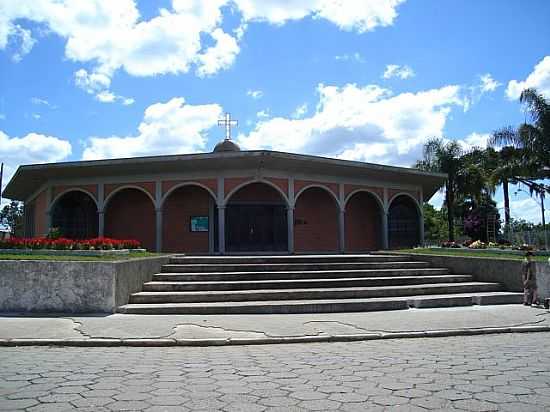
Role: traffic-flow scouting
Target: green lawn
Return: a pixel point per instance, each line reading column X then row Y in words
column 462, row 252
column 24, row 256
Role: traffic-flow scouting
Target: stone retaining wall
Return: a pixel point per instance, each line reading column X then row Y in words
column 505, row 271
column 71, row 286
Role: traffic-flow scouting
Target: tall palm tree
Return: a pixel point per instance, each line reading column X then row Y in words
column 443, row 156
column 533, row 139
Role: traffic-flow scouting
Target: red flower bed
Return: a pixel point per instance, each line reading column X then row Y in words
column 98, row 243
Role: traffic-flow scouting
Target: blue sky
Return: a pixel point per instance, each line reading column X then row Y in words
column 364, row 80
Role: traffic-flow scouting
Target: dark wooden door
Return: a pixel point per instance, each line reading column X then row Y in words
column 252, row 228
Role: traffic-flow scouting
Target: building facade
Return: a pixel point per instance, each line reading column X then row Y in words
column 229, row 201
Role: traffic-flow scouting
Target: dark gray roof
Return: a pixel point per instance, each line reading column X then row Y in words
column 28, row 178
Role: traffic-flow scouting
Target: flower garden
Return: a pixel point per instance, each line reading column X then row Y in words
column 46, row 243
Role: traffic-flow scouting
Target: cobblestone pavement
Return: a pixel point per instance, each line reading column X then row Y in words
column 509, row 372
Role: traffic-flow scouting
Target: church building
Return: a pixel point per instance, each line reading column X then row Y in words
column 229, row 201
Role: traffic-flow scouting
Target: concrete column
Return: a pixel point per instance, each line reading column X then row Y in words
column 158, row 213
column 385, row 234
column 101, row 209
column 49, row 199
column 342, row 231
column 101, row 223
column 290, row 231
column 421, row 229
column 211, row 227
column 221, row 229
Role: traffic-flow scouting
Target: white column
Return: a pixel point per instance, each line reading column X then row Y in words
column 290, row 231
column 342, row 231
column 221, row 229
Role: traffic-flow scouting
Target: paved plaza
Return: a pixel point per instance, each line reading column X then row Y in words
column 508, row 372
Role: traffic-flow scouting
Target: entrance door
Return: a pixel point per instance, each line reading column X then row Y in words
column 254, row 228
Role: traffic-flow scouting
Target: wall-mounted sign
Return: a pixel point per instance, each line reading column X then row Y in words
column 199, row 224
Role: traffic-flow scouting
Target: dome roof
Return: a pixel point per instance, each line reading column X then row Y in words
column 227, row 146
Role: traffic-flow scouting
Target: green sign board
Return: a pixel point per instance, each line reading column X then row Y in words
column 199, row 224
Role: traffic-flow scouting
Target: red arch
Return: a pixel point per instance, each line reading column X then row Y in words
column 363, row 223
column 130, row 214
column 178, row 208
column 315, row 221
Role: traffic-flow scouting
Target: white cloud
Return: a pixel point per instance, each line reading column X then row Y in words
column 111, row 35
column 479, row 140
column 300, row 111
column 488, row 84
column 395, row 70
column 22, row 41
column 32, row 148
column 166, row 128
column 361, row 123
column 361, row 16
column 220, row 56
column 2, row 116
column 263, row 114
column 255, row 94
column 354, row 57
column 539, row 78
column 98, row 85
column 526, row 208
column 42, row 102
column 36, row 116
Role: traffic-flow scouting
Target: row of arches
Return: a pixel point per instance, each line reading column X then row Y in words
column 256, row 218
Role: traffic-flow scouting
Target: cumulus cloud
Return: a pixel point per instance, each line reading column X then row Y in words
column 98, row 85
column 395, row 70
column 166, row 128
column 31, row 148
column 488, row 84
column 366, row 123
column 360, row 16
column 111, row 35
column 539, row 78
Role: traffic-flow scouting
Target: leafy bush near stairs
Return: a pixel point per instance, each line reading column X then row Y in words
column 99, row 243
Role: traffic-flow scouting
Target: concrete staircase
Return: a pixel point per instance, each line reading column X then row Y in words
column 307, row 284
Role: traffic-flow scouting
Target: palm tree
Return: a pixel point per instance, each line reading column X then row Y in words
column 532, row 139
column 444, row 157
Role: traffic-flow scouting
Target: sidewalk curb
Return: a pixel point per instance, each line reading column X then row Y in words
column 163, row 342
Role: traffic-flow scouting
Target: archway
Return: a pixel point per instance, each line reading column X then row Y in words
column 403, row 223
column 130, row 214
column 256, row 219
column 315, row 221
column 363, row 223
column 75, row 214
column 188, row 222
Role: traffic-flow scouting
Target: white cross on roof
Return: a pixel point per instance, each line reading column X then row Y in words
column 227, row 122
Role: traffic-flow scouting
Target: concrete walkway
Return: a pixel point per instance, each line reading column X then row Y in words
column 169, row 330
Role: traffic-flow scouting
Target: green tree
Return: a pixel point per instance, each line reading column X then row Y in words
column 435, row 223
column 11, row 216
column 444, row 157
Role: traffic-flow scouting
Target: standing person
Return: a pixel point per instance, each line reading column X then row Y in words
column 529, row 275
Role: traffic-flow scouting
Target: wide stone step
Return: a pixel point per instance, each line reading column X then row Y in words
column 309, row 294
column 300, row 274
column 177, row 286
column 286, row 259
column 263, row 267
column 325, row 306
